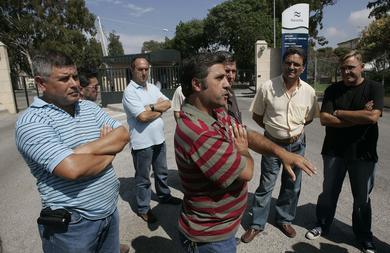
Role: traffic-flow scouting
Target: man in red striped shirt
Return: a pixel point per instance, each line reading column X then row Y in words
column 212, row 155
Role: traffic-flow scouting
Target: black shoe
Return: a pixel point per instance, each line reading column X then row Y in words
column 314, row 233
column 368, row 247
column 171, row 201
column 148, row 217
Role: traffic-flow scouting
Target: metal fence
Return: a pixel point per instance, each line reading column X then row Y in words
column 113, row 81
column 24, row 91
column 322, row 71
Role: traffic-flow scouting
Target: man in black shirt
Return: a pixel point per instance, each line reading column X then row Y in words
column 350, row 111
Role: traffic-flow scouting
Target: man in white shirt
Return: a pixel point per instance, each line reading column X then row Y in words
column 282, row 106
column 144, row 104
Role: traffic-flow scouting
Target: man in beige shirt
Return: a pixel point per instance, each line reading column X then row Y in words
column 282, row 106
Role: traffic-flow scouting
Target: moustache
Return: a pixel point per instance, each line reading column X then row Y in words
column 75, row 90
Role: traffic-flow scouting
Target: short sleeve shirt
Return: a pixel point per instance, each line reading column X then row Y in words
column 46, row 135
column 209, row 166
column 357, row 142
column 177, row 99
column 284, row 116
column 135, row 98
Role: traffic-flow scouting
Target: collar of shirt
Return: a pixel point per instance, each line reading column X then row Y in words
column 192, row 110
column 284, row 88
column 137, row 86
column 221, row 118
column 40, row 103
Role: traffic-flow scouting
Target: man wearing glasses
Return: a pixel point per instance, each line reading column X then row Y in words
column 282, row 106
column 350, row 111
column 89, row 86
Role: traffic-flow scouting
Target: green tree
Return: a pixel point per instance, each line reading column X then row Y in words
column 238, row 24
column 340, row 51
column 152, row 45
column 115, row 47
column 189, row 38
column 375, row 43
column 27, row 27
column 380, row 9
column 93, row 54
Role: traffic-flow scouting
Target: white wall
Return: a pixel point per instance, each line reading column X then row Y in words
column 6, row 92
column 268, row 62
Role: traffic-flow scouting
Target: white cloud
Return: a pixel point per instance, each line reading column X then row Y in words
column 333, row 32
column 137, row 11
column 132, row 44
column 359, row 19
column 334, row 35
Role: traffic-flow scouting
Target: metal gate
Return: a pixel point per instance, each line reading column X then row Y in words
column 113, row 81
column 24, row 91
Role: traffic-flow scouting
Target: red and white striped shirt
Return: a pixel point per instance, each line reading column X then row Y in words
column 209, row 166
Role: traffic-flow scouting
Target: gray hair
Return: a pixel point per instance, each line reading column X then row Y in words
column 43, row 63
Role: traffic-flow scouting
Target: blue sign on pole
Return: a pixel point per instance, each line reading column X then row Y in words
column 295, row 29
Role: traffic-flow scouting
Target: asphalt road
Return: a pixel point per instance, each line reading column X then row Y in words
column 20, row 204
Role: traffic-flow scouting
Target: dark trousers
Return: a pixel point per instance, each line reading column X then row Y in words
column 361, row 176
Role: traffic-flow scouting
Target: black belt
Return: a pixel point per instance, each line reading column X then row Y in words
column 290, row 140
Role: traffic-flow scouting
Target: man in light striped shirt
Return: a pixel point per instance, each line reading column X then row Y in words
column 69, row 145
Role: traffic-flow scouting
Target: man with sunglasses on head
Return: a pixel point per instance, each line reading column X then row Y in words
column 89, row 86
column 282, row 106
column 350, row 112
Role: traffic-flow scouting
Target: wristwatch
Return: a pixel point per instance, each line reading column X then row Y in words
column 151, row 107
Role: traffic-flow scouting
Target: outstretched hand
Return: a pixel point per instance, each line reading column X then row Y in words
column 291, row 160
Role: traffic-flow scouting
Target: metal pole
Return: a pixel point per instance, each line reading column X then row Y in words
column 315, row 68
column 274, row 27
column 102, row 37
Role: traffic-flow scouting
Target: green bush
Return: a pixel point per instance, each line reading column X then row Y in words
column 378, row 76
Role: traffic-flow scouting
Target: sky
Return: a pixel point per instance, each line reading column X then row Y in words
column 139, row 21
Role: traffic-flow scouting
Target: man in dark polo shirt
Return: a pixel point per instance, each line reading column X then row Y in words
column 350, row 111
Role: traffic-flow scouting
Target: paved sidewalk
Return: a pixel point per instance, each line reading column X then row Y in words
column 163, row 237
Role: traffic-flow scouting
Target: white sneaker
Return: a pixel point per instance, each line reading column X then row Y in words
column 314, row 233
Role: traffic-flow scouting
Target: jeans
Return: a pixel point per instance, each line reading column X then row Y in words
column 361, row 176
column 143, row 158
column 226, row 246
column 286, row 204
column 82, row 235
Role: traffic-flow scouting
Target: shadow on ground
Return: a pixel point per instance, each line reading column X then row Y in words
column 167, row 216
column 305, row 218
